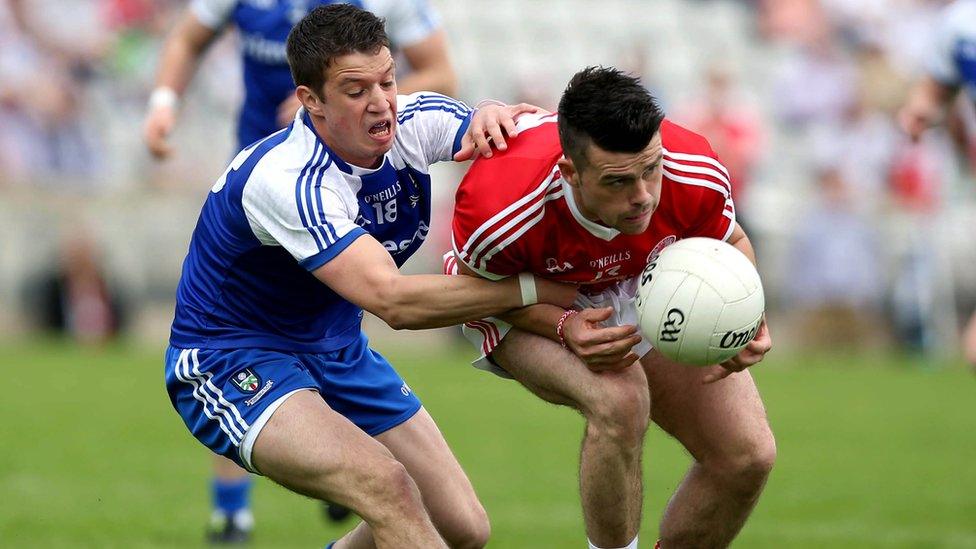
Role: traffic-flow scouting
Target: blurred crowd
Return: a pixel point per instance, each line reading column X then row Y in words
column 857, row 226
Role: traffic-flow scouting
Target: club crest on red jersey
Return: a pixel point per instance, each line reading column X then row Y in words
column 659, row 247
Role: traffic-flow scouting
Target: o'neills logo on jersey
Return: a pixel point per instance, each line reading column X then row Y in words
column 659, row 247
column 603, row 262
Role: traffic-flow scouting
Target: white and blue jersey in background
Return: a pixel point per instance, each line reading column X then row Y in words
column 253, row 325
column 264, row 26
column 953, row 61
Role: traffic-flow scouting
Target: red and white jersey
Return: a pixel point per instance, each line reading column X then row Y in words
column 515, row 213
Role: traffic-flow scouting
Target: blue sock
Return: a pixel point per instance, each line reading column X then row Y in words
column 230, row 496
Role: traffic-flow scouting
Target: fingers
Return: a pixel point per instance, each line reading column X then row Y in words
column 495, row 133
column 596, row 315
column 525, row 108
column 718, row 374
column 155, row 132
column 467, row 149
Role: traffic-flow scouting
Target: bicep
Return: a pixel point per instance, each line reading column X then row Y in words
column 194, row 32
column 741, row 241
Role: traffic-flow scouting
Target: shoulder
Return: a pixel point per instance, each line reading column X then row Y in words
column 527, row 167
column 413, row 105
column 407, row 21
column 280, row 164
column 690, row 162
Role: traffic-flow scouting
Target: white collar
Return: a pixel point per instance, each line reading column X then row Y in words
column 597, row 230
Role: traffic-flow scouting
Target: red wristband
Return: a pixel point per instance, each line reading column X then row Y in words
column 559, row 326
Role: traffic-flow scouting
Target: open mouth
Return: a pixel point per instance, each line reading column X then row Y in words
column 380, row 129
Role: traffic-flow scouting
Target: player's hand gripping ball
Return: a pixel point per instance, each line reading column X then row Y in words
column 700, row 301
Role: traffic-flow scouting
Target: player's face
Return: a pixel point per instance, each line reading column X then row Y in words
column 359, row 107
column 620, row 190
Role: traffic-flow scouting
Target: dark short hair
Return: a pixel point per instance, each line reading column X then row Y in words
column 609, row 108
column 328, row 32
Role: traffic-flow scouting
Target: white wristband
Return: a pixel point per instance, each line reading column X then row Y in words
column 527, row 286
column 163, row 97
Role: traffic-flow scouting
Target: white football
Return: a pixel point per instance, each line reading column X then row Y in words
column 700, row 301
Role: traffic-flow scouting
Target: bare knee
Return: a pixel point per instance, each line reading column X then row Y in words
column 619, row 410
column 388, row 493
column 467, row 529
column 747, row 467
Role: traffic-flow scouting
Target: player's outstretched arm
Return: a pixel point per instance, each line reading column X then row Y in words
column 599, row 347
column 365, row 274
column 491, row 124
column 182, row 50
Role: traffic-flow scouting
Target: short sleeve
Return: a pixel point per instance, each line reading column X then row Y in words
column 431, row 125
column 214, row 14
column 704, row 181
column 940, row 63
column 307, row 217
column 407, row 21
column 497, row 206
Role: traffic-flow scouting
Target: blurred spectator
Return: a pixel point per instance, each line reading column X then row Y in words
column 834, row 269
column 733, row 127
column 815, row 84
column 74, row 297
column 44, row 132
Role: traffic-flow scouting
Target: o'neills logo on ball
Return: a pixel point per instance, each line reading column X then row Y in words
column 664, row 243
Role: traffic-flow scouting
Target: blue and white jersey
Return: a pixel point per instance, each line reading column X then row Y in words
column 953, row 61
column 264, row 27
column 288, row 205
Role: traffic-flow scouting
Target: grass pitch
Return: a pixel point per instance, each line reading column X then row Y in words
column 872, row 453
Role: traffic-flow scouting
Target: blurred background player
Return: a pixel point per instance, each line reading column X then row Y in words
column 591, row 199
column 951, row 69
column 269, row 100
column 270, row 103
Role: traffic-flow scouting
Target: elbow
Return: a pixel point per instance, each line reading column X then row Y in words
column 391, row 309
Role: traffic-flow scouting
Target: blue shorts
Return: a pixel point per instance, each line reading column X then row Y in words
column 225, row 397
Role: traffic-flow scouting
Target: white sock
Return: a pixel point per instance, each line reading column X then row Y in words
column 631, row 545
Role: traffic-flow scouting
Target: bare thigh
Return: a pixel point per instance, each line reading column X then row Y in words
column 712, row 421
column 556, row 374
column 313, row 450
column 447, row 493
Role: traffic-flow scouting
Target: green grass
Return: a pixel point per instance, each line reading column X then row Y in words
column 872, row 453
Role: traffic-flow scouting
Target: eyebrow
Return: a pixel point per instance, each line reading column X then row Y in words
column 354, row 79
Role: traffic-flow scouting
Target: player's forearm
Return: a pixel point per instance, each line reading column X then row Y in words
column 538, row 319
column 417, row 302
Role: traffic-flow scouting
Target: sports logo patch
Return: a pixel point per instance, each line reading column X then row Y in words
column 659, row 247
column 247, row 381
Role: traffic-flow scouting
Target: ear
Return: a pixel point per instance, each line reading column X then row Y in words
column 310, row 100
column 568, row 170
